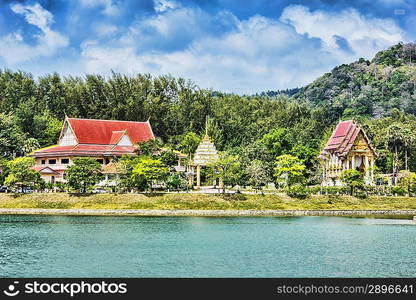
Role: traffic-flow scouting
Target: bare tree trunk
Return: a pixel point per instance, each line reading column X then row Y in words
column 395, row 170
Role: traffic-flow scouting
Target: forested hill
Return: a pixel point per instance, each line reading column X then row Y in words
column 258, row 127
column 368, row 88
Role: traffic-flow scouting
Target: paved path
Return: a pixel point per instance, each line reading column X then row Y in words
column 212, row 213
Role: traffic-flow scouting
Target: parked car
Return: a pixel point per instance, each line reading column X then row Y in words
column 3, row 189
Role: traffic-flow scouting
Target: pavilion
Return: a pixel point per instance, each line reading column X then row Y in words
column 205, row 154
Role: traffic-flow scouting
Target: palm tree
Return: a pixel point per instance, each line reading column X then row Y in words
column 408, row 141
column 395, row 140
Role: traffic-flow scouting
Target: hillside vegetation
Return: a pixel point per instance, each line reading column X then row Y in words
column 380, row 94
column 368, row 88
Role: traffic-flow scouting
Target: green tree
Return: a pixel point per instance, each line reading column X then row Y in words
column 289, row 169
column 29, row 145
column 46, row 128
column 149, row 148
column 353, row 179
column 277, row 141
column 407, row 180
column 151, row 170
column 11, row 136
column 168, row 158
column 306, row 154
column 3, row 170
column 21, row 174
column 257, row 174
column 125, row 166
column 83, row 174
column 395, row 140
column 176, row 182
column 226, row 169
column 188, row 143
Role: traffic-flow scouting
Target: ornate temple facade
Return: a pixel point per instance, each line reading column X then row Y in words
column 347, row 148
column 204, row 155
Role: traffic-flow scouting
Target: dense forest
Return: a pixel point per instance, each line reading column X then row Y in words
column 380, row 94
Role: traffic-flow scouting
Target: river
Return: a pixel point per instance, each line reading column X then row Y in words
column 83, row 246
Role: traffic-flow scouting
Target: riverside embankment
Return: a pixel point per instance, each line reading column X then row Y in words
column 189, row 204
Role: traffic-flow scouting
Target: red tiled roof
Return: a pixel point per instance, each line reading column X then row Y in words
column 90, row 131
column 85, row 150
column 343, row 138
column 38, row 168
column 116, row 136
column 92, row 148
column 41, row 168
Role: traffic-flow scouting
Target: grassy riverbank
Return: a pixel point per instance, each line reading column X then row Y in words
column 203, row 202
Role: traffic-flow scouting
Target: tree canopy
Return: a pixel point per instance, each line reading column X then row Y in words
column 83, row 174
column 21, row 174
column 150, row 170
column 380, row 94
column 289, row 169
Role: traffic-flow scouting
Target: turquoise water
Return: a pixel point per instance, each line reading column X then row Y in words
column 59, row 246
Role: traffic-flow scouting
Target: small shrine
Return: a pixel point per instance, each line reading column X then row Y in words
column 205, row 154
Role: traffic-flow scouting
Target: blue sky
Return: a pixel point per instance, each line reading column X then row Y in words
column 240, row 46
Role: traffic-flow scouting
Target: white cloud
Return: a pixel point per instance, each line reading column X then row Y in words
column 34, row 15
column 259, row 54
column 13, row 49
column 110, row 9
column 218, row 51
column 164, row 5
column 255, row 55
column 103, row 29
column 361, row 35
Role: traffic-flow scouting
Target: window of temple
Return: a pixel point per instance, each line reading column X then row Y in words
column 101, row 161
column 43, row 162
column 52, row 161
column 65, row 161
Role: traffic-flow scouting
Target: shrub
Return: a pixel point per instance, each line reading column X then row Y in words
column 360, row 193
column 176, row 183
column 370, row 189
column 315, row 190
column 234, row 197
column 298, row 191
column 398, row 190
column 335, row 190
column 60, row 187
column 353, row 179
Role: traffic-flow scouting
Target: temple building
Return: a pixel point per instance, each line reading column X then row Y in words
column 347, row 148
column 102, row 140
column 205, row 154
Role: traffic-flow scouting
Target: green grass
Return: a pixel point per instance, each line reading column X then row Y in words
column 199, row 201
